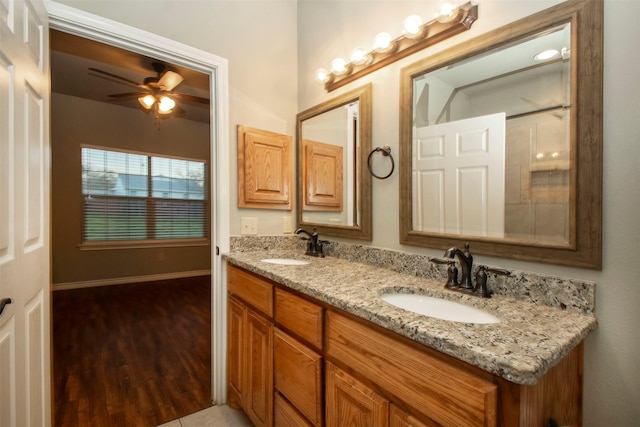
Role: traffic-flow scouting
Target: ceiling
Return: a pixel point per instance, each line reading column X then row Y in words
column 72, row 56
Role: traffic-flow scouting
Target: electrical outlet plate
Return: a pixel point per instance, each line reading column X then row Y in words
column 248, row 225
column 287, row 226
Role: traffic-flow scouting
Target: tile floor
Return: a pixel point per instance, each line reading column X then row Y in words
column 215, row 416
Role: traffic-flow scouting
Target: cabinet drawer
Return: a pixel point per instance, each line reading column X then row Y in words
column 299, row 316
column 443, row 392
column 298, row 375
column 252, row 289
column 285, row 415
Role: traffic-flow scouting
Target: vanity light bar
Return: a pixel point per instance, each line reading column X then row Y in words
column 431, row 33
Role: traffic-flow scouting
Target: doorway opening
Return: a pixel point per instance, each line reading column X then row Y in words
column 100, row 29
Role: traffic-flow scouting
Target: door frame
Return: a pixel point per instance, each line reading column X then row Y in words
column 94, row 27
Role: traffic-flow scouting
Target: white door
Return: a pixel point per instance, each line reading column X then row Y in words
column 458, row 177
column 25, row 396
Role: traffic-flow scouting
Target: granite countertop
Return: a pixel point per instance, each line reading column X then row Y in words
column 529, row 339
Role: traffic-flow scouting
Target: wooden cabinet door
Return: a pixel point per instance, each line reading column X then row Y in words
column 258, row 393
column 350, row 403
column 236, row 319
column 298, row 375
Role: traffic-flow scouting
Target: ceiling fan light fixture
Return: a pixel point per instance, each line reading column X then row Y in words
column 165, row 105
column 147, row 101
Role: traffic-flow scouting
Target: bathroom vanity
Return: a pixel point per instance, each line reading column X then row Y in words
column 315, row 345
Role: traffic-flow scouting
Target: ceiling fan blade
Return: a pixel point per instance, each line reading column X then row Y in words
column 114, row 76
column 178, row 111
column 170, row 80
column 190, row 98
column 128, row 95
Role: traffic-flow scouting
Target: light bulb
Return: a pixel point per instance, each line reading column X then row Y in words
column 412, row 26
column 359, row 56
column 322, row 75
column 547, row 54
column 382, row 42
column 147, row 101
column 446, row 11
column 166, row 105
column 338, row 66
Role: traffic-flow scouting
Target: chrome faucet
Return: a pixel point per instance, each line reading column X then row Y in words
column 314, row 245
column 466, row 264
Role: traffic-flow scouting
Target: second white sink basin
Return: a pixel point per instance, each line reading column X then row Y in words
column 285, row 261
column 439, row 308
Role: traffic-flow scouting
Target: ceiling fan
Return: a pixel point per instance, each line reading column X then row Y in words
column 156, row 93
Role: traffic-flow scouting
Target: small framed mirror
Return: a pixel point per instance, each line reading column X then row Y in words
column 334, row 188
column 501, row 141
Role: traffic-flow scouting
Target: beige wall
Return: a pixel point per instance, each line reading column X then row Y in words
column 76, row 121
column 259, row 40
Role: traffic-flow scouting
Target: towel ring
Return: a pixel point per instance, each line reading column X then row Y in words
column 386, row 152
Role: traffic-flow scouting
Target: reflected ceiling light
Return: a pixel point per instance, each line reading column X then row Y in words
column 446, row 11
column 382, row 42
column 412, row 26
column 147, row 101
column 547, row 54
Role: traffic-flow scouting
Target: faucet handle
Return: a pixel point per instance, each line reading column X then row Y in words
column 498, row 271
column 481, row 279
column 452, row 271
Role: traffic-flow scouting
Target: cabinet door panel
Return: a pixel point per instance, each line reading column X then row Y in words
column 351, row 404
column 298, row 375
column 236, row 318
column 258, row 396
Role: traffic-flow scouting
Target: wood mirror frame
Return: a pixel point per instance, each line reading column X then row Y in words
column 363, row 229
column 584, row 249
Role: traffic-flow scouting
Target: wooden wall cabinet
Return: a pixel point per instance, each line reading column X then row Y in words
column 265, row 169
column 322, row 176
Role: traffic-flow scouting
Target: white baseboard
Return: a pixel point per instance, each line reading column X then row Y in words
column 124, row 280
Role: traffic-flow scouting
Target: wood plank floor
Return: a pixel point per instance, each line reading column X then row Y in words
column 132, row 355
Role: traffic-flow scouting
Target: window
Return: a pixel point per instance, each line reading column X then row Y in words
column 133, row 196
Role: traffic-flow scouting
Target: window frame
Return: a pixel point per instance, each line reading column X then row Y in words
column 149, row 198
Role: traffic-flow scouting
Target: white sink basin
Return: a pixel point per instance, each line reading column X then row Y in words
column 285, row 261
column 439, row 308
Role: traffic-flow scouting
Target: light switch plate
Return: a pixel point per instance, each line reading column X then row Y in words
column 248, row 225
column 287, row 226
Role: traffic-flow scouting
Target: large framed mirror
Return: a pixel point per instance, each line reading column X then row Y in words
column 334, row 188
column 501, row 146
